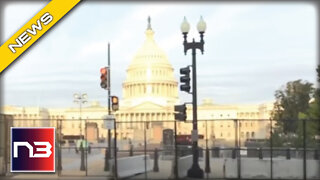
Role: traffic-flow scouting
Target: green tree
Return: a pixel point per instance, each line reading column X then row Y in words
column 313, row 115
column 290, row 101
column 293, row 106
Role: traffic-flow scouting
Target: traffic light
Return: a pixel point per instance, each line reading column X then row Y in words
column 180, row 112
column 185, row 79
column 115, row 103
column 104, row 78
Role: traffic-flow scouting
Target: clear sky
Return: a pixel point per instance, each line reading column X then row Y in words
column 251, row 49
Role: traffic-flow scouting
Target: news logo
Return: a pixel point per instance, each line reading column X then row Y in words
column 32, row 149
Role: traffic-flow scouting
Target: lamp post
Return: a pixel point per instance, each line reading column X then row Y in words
column 195, row 171
column 81, row 99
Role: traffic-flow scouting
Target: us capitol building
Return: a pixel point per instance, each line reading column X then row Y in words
column 150, row 92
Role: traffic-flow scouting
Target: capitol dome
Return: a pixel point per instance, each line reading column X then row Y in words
column 150, row 76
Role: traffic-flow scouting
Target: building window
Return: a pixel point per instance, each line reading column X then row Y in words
column 242, row 134
column 252, row 134
column 247, row 135
column 221, row 135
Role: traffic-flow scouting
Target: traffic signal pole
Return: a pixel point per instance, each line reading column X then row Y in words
column 115, row 125
column 106, row 84
column 109, row 105
column 195, row 171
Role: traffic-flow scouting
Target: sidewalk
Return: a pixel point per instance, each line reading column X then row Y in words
column 55, row 177
column 50, row 177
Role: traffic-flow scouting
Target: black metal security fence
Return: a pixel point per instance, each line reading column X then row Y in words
column 228, row 148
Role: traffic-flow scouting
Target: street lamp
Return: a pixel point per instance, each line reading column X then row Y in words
column 81, row 99
column 195, row 171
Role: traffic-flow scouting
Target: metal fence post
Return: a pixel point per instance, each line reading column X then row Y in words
column 145, row 151
column 288, row 154
column 316, row 154
column 207, row 165
column 304, row 150
column 235, row 133
column 207, row 168
column 131, row 150
column 155, row 164
column 238, row 152
column 59, row 150
column 260, row 153
column 176, row 175
column 86, row 146
column 59, row 161
column 106, row 163
column 271, row 151
column 82, row 167
column 7, row 130
column 234, row 152
column 115, row 151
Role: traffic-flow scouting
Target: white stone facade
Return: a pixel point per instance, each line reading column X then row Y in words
column 150, row 92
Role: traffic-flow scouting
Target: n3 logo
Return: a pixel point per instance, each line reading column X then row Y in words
column 31, row 155
column 32, row 149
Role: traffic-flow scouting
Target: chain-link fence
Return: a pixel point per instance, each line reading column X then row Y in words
column 231, row 149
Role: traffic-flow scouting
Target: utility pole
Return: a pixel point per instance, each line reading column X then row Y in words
column 109, row 103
